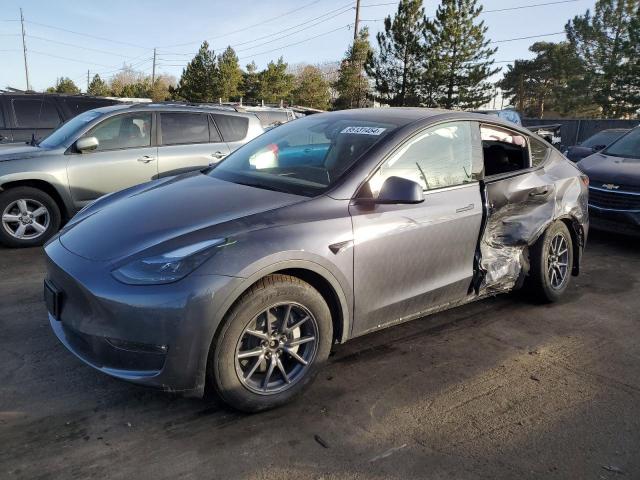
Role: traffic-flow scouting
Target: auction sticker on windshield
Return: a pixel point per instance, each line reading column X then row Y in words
column 364, row 130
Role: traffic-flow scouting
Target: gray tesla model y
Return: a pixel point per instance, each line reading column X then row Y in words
column 243, row 275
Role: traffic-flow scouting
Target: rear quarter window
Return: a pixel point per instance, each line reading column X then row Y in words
column 539, row 152
column 232, row 128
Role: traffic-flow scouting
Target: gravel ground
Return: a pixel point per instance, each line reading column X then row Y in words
column 496, row 389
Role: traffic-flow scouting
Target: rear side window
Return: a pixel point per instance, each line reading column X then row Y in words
column 233, row 128
column 1, row 117
column 504, row 151
column 35, row 113
column 183, row 128
column 539, row 152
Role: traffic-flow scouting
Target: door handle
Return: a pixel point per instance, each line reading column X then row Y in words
column 539, row 192
column 465, row 209
column 146, row 159
column 219, row 155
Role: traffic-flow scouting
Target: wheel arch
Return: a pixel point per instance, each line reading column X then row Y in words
column 43, row 185
column 314, row 274
column 577, row 233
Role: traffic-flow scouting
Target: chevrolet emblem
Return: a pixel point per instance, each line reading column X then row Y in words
column 610, row 186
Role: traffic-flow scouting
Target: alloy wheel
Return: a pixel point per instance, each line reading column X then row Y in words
column 26, row 219
column 558, row 261
column 276, row 348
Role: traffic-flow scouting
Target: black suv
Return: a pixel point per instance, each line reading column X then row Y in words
column 27, row 115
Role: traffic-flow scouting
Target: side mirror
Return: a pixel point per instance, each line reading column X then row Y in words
column 400, row 190
column 597, row 148
column 87, row 144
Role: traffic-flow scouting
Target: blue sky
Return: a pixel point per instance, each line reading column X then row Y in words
column 129, row 30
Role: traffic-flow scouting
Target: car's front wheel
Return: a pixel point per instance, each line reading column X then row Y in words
column 29, row 217
column 272, row 344
column 551, row 260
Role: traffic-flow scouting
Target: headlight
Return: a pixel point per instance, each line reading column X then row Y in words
column 168, row 267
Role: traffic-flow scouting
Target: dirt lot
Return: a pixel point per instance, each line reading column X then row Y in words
column 497, row 389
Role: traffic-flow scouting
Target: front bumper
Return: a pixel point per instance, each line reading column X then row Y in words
column 156, row 335
column 616, row 221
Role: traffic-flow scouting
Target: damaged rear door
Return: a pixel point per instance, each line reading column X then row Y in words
column 519, row 197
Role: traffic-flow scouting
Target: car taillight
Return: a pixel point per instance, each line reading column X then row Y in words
column 585, row 180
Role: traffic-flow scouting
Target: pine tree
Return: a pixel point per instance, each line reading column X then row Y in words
column 458, row 61
column 604, row 42
column 396, row 67
column 311, row 89
column 64, row 85
column 98, row 87
column 352, row 84
column 275, row 83
column 546, row 82
column 199, row 77
column 229, row 75
column 251, row 83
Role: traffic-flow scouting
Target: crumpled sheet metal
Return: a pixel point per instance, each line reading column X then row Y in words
column 518, row 214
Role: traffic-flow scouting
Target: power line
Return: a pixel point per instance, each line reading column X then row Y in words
column 276, row 38
column 297, row 43
column 66, row 58
column 247, row 27
column 289, row 34
column 344, row 9
column 525, row 38
column 85, row 34
column 378, row 4
column 529, row 6
column 487, row 11
column 79, row 46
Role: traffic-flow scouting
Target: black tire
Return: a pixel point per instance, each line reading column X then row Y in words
column 34, row 198
column 223, row 371
column 543, row 282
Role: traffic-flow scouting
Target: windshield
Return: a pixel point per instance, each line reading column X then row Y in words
column 60, row 136
column 303, row 157
column 627, row 146
column 602, row 138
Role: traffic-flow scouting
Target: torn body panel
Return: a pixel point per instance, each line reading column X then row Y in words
column 518, row 210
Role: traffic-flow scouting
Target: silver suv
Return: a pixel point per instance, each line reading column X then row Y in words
column 105, row 150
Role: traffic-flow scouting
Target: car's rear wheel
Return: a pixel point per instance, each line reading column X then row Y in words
column 272, row 344
column 551, row 263
column 28, row 217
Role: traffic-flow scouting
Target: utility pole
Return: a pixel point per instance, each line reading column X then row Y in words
column 355, row 25
column 153, row 72
column 87, row 81
column 24, row 51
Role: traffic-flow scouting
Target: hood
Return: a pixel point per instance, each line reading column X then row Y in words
column 601, row 168
column 163, row 211
column 21, row 152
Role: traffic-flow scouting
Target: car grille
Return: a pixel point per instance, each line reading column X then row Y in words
column 615, row 199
